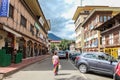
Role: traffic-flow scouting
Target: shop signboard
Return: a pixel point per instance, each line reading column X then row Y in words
column 37, row 26
column 41, row 21
column 4, row 8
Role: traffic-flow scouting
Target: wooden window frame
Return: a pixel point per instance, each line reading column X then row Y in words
column 23, row 21
column 11, row 11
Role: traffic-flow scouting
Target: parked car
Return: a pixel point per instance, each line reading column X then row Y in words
column 117, row 72
column 71, row 53
column 61, row 54
column 96, row 61
column 73, row 56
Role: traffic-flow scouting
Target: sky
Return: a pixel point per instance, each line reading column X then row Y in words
column 60, row 13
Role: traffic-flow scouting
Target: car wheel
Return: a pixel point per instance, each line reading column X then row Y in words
column 83, row 68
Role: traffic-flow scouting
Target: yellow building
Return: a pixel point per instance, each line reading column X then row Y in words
column 25, row 28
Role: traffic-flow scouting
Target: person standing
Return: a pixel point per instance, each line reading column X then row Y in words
column 117, row 72
column 55, row 61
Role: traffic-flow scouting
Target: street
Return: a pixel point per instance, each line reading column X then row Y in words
column 42, row 70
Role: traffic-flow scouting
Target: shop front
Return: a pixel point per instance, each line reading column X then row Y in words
column 22, row 46
column 29, row 49
column 115, row 52
column 8, row 42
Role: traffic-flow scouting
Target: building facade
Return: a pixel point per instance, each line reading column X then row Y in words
column 79, row 17
column 110, row 32
column 25, row 29
column 92, row 38
column 72, row 46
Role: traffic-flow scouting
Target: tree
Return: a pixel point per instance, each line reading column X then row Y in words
column 64, row 45
column 52, row 47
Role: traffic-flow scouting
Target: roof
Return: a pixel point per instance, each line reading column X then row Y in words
column 83, row 8
column 110, row 9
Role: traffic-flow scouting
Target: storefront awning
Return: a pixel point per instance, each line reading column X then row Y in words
column 11, row 31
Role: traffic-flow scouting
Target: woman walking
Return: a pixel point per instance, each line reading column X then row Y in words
column 55, row 60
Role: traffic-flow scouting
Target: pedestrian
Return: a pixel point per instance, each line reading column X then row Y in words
column 14, row 55
column 56, row 62
column 117, row 72
column 67, row 55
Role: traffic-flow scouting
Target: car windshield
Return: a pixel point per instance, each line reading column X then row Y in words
column 61, row 52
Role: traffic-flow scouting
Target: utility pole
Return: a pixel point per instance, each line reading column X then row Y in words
column 81, row 2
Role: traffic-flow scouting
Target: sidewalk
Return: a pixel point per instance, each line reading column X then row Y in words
column 5, row 71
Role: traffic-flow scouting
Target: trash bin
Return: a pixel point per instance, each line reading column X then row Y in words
column 18, row 58
column 5, row 59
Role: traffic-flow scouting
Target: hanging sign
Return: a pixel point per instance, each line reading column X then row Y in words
column 4, row 8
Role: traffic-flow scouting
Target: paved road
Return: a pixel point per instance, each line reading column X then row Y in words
column 43, row 71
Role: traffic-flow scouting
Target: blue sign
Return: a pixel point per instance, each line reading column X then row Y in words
column 4, row 8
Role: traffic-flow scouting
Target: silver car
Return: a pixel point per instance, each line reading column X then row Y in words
column 96, row 61
column 61, row 54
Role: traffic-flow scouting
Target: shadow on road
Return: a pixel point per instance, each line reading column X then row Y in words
column 63, row 74
column 100, row 74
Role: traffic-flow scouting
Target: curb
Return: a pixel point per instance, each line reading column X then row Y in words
column 2, row 75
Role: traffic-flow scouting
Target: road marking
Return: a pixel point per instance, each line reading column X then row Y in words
column 81, row 74
column 72, row 64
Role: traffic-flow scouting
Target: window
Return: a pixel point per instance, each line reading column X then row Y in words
column 111, row 39
column 37, row 32
column 108, row 17
column 91, row 26
column 101, row 57
column 32, row 29
column 23, row 21
column 11, row 11
column 105, row 18
column 86, row 11
column 101, row 19
column 103, row 40
column 92, row 56
column 96, row 20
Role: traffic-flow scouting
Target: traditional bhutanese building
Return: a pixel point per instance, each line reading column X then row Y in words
column 79, row 16
column 92, row 38
column 24, row 28
column 110, row 33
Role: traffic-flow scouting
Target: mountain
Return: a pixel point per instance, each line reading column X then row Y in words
column 53, row 37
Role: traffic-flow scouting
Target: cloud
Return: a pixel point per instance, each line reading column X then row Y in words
column 60, row 13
